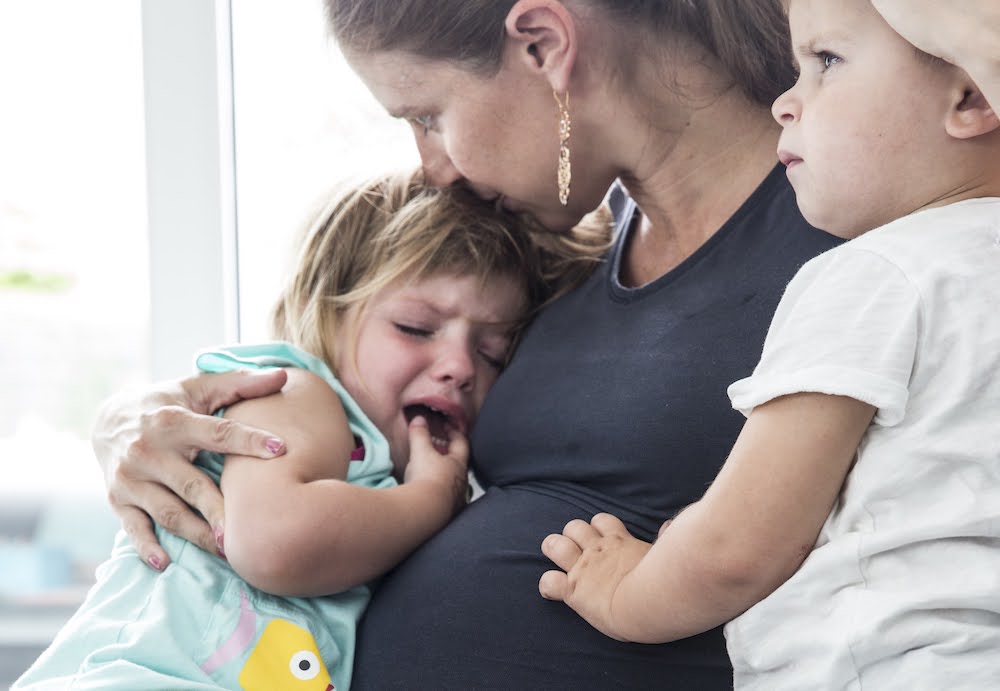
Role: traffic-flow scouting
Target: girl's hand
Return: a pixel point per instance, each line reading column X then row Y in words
column 145, row 443
column 447, row 473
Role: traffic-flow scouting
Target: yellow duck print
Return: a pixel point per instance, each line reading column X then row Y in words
column 285, row 657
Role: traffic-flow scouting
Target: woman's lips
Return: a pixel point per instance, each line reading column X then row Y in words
column 508, row 204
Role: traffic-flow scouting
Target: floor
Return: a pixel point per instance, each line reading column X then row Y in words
column 25, row 631
column 49, row 547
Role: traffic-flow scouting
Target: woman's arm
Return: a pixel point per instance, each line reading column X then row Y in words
column 297, row 527
column 750, row 532
column 965, row 33
column 145, row 442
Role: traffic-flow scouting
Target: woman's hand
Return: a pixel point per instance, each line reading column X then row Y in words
column 940, row 28
column 965, row 33
column 145, row 443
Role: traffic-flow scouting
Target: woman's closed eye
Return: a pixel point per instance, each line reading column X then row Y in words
column 424, row 122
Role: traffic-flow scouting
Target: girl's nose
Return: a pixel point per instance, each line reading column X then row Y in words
column 456, row 365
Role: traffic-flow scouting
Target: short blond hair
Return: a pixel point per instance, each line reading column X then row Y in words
column 365, row 237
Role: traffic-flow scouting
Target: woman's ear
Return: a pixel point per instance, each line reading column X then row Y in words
column 971, row 114
column 543, row 33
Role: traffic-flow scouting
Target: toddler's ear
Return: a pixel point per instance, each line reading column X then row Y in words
column 971, row 115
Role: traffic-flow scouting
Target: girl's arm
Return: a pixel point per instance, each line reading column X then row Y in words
column 294, row 526
column 750, row 532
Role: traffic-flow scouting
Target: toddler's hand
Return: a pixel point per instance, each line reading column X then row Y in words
column 595, row 558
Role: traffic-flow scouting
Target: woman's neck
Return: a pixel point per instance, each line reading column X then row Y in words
column 689, row 181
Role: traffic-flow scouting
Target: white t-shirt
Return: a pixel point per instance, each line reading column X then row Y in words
column 902, row 589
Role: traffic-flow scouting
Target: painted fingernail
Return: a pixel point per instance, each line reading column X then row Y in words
column 219, row 542
column 275, row 446
column 154, row 561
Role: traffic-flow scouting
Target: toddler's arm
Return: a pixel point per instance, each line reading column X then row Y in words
column 296, row 527
column 747, row 535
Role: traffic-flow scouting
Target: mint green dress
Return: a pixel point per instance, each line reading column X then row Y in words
column 198, row 625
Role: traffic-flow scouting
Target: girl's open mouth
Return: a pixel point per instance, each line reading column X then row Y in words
column 438, row 422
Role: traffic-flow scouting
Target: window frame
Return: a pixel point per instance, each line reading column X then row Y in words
column 190, row 180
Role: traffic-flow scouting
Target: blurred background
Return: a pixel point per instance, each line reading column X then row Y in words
column 117, row 260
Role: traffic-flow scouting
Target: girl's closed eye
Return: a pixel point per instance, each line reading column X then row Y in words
column 495, row 350
column 495, row 361
column 411, row 330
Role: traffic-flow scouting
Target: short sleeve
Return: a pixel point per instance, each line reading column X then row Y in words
column 847, row 325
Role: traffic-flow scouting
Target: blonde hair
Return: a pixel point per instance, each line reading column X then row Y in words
column 366, row 237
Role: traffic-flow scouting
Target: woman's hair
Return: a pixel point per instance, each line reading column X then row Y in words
column 395, row 227
column 748, row 37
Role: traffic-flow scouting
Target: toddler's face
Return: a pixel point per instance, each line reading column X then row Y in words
column 861, row 118
column 431, row 347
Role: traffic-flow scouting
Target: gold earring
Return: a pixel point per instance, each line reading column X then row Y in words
column 565, row 173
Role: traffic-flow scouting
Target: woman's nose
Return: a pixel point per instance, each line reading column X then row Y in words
column 439, row 171
column 786, row 109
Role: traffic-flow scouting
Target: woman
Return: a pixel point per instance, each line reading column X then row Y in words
column 616, row 398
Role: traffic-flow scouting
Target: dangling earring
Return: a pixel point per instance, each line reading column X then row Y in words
column 565, row 174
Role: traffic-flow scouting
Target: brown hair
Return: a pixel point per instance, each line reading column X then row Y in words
column 748, row 37
column 394, row 226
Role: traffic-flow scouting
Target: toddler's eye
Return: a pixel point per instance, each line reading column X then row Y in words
column 828, row 59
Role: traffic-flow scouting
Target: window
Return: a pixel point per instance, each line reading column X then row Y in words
column 304, row 122
column 73, row 292
column 158, row 159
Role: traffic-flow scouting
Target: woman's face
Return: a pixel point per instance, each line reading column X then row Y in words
column 499, row 135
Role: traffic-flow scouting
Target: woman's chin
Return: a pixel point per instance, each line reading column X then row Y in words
column 560, row 220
